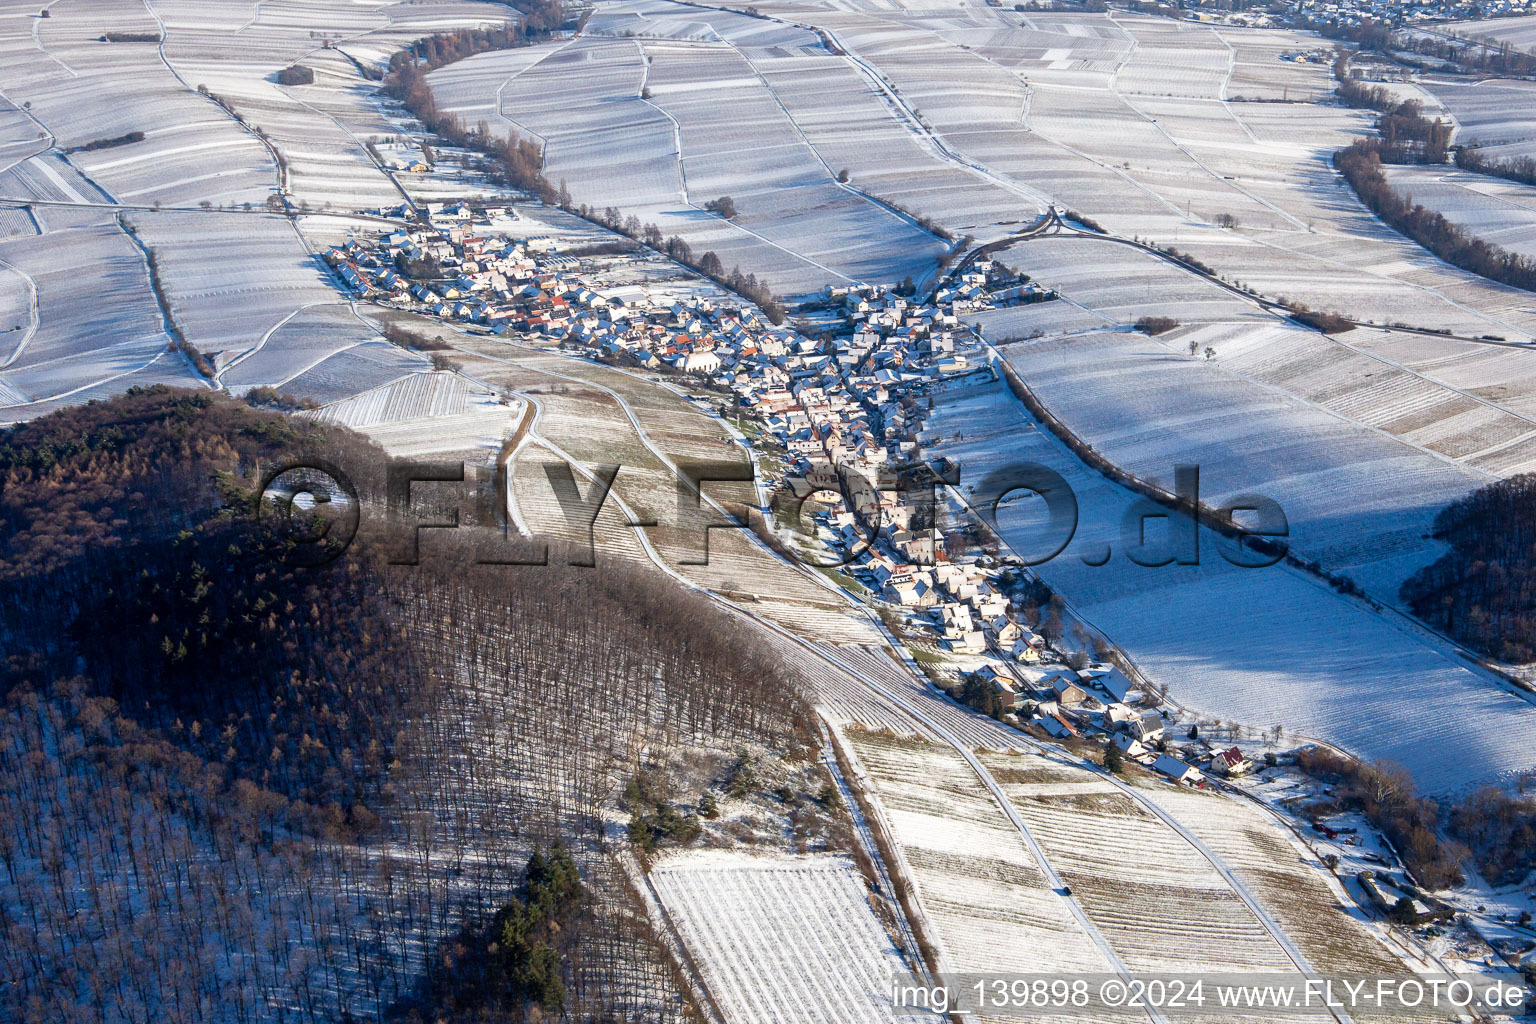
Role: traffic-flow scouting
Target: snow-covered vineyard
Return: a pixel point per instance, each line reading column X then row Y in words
column 174, row 106
column 783, row 940
column 980, row 235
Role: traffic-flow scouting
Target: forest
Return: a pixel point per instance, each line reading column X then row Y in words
column 234, row 788
column 1499, row 828
column 1483, row 592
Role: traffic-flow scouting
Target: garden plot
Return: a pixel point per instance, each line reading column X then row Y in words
column 782, row 939
column 1499, row 212
column 537, row 509
column 325, row 165
column 811, row 620
column 18, row 313
column 475, row 436
column 472, row 88
column 20, row 136
column 194, row 150
column 983, row 898
column 1257, row 646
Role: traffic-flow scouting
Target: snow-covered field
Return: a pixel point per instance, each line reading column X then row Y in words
column 82, row 320
column 1259, row 646
column 1186, row 915
column 1496, row 115
column 1147, row 126
column 697, row 121
column 975, row 119
column 1121, row 283
column 583, row 421
column 985, row 899
column 1356, row 500
column 1359, row 376
column 1495, row 210
column 220, row 138
column 781, row 938
column 1519, row 33
column 428, row 414
column 1297, row 892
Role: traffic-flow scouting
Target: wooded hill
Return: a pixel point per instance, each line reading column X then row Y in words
column 1483, row 592
column 234, row 789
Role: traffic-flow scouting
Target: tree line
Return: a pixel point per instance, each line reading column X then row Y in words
column 1384, row 792
column 1521, row 168
column 1405, row 135
column 1360, row 164
column 1497, row 58
column 1499, row 828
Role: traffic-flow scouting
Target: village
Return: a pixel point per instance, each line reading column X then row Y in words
column 832, row 405
column 1355, row 12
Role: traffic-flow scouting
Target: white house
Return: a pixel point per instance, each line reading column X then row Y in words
column 1148, row 728
column 969, row 642
column 1176, row 770
column 1231, row 763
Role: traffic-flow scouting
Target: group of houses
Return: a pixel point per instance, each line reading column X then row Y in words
column 839, row 412
column 1401, row 12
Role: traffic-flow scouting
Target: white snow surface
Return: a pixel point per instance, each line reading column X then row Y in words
column 782, row 939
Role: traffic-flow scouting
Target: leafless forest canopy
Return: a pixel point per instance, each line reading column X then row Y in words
column 236, row 790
